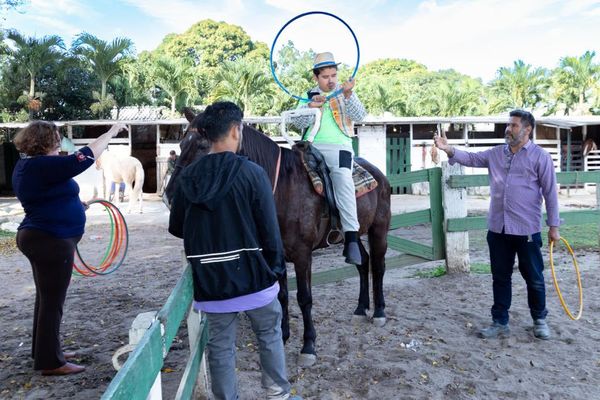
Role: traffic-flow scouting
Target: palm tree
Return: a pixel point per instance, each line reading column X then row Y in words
column 33, row 55
column 575, row 80
column 173, row 76
column 521, row 86
column 245, row 83
column 387, row 98
column 451, row 99
column 105, row 58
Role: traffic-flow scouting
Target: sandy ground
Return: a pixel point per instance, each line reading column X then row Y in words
column 427, row 350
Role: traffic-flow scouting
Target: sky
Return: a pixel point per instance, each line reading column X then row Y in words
column 472, row 37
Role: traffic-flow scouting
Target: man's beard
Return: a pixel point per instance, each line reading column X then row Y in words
column 515, row 141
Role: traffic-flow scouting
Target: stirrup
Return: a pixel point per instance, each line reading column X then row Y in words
column 329, row 236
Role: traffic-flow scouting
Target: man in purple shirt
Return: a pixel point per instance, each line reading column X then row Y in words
column 521, row 174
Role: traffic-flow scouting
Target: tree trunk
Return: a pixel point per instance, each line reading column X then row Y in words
column 31, row 86
column 103, row 93
column 173, row 99
column 30, row 97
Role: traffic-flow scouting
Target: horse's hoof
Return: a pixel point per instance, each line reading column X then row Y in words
column 307, row 360
column 357, row 319
column 379, row 322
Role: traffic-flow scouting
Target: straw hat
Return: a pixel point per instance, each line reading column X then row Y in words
column 324, row 60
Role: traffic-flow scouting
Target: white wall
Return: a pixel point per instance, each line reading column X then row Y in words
column 372, row 145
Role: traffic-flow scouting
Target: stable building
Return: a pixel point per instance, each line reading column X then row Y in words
column 394, row 144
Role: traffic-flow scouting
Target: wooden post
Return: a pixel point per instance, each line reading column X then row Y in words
column 437, row 212
column 139, row 326
column 455, row 206
column 569, row 159
column 559, row 149
column 193, row 322
column 130, row 138
column 598, row 207
column 159, row 180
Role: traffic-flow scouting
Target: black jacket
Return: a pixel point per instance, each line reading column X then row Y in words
column 223, row 208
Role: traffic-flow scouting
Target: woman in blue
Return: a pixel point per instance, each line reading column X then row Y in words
column 53, row 224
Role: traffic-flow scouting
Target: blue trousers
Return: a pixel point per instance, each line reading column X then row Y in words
column 503, row 249
column 266, row 324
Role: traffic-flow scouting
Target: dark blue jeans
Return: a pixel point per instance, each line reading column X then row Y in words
column 503, row 249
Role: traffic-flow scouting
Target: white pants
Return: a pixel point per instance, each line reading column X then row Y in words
column 339, row 160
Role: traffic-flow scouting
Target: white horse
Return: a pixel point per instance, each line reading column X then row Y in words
column 120, row 168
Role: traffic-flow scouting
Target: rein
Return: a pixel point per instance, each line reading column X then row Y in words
column 277, row 171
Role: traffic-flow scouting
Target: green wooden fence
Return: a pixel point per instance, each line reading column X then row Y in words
column 433, row 215
column 577, row 217
column 138, row 374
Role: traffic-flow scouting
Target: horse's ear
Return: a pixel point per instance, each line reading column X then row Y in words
column 189, row 114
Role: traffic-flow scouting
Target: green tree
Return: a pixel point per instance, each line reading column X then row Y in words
column 175, row 77
column 68, row 86
column 391, row 67
column 208, row 44
column 248, row 84
column 574, row 82
column 32, row 55
column 391, row 85
column 521, row 86
column 132, row 86
column 294, row 70
column 106, row 60
column 380, row 98
column 452, row 99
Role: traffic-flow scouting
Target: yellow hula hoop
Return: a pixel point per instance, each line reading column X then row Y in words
column 562, row 301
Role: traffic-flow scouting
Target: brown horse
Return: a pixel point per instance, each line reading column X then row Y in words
column 303, row 229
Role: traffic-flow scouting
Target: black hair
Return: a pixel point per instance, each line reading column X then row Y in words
column 527, row 119
column 317, row 71
column 218, row 118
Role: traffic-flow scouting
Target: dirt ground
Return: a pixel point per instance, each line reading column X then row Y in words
column 428, row 349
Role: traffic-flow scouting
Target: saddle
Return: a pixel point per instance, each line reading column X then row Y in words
column 364, row 182
column 318, row 172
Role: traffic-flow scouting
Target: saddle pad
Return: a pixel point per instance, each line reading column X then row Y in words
column 363, row 180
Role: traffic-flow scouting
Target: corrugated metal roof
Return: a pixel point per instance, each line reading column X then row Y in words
column 140, row 113
column 570, row 122
column 561, row 121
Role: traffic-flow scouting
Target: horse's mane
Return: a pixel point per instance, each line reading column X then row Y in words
column 261, row 149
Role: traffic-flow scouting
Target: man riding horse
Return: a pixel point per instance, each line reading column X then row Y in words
column 301, row 210
column 334, row 141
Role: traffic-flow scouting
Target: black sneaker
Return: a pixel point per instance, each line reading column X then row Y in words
column 352, row 253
